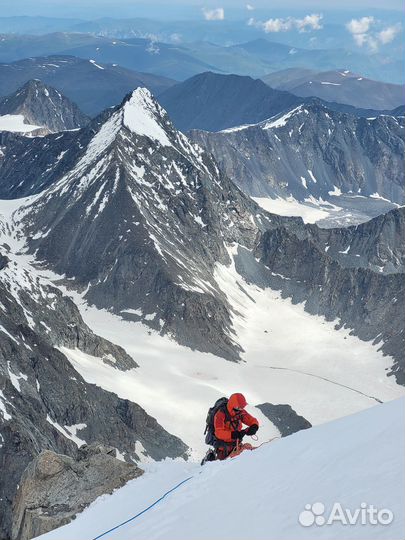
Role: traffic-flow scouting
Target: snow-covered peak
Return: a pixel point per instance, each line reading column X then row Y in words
column 144, row 116
column 281, row 119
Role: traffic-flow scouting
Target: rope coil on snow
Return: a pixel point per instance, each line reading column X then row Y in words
column 144, row 510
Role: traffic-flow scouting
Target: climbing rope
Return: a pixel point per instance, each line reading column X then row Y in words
column 144, row 510
column 241, row 447
column 238, row 447
column 266, row 442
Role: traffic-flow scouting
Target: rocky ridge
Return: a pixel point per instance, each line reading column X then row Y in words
column 44, row 106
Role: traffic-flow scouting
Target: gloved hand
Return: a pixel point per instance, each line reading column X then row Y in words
column 252, row 430
column 238, row 435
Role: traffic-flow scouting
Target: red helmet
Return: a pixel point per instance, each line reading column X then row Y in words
column 236, row 401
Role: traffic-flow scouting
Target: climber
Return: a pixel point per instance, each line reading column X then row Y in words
column 224, row 426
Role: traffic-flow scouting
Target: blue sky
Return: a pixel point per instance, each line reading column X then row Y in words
column 180, row 8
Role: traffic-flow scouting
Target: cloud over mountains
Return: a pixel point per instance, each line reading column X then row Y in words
column 307, row 23
column 364, row 33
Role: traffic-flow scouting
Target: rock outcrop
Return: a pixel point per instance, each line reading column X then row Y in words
column 44, row 403
column 286, row 420
column 55, row 487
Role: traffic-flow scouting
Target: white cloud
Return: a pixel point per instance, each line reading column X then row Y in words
column 372, row 42
column 309, row 22
column 363, row 34
column 249, row 7
column 367, row 40
column 153, row 47
column 277, row 25
column 217, row 14
column 360, row 26
column 388, row 34
column 360, row 39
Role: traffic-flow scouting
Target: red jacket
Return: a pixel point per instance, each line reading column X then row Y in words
column 224, row 425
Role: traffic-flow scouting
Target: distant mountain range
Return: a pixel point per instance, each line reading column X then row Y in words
column 183, row 60
column 230, row 31
column 280, row 56
column 39, row 109
column 135, row 54
column 208, row 100
column 340, row 86
column 214, row 102
column 92, row 86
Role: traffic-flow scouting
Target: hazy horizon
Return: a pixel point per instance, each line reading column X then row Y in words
column 193, row 9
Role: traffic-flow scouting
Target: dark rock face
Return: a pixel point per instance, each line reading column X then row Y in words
column 213, row 102
column 377, row 244
column 311, row 151
column 30, row 165
column 43, row 106
column 44, row 402
column 399, row 111
column 54, row 487
column 286, row 420
column 83, row 82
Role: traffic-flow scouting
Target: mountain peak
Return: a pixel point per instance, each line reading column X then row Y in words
column 33, row 87
column 144, row 116
column 42, row 108
column 213, row 102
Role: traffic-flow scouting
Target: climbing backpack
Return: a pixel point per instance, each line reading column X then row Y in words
column 209, row 432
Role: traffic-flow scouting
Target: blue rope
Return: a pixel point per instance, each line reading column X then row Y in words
column 145, row 510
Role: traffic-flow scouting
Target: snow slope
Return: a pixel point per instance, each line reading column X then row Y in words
column 261, row 494
column 340, row 210
column 16, row 122
column 289, row 206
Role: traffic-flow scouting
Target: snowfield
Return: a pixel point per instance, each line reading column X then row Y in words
column 261, row 495
column 342, row 210
column 291, row 207
column 290, row 357
column 16, row 123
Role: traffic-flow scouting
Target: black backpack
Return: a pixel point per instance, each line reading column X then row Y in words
column 209, row 432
